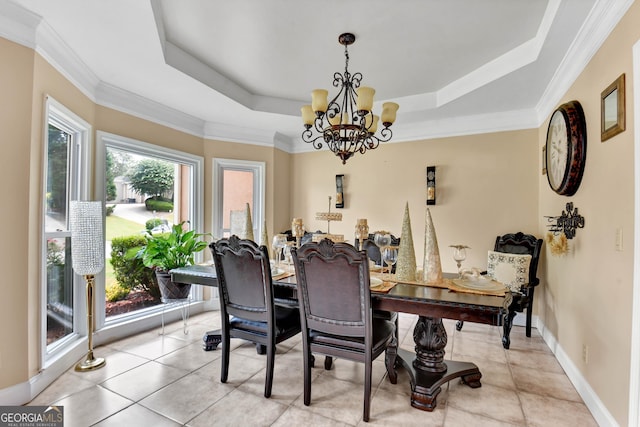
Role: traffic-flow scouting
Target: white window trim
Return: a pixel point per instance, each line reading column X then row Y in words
column 71, row 123
column 150, row 317
column 259, row 190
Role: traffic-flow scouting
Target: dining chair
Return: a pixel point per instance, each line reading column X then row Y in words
column 335, row 311
column 247, row 302
column 520, row 277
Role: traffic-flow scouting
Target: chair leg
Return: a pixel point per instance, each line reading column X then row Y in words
column 459, row 325
column 508, row 322
column 390, row 360
column 307, row 375
column 224, row 373
column 261, row 349
column 271, row 353
column 529, row 312
column 367, row 391
column 328, row 362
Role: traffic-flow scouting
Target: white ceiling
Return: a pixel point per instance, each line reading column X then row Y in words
column 241, row 70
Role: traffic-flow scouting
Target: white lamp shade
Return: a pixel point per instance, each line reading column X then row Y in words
column 87, row 237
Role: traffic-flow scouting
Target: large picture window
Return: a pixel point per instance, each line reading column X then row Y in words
column 145, row 187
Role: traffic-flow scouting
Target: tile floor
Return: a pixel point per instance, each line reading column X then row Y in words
column 151, row 379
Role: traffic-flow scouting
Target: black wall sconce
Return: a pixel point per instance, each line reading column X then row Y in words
column 431, row 185
column 568, row 222
column 339, row 191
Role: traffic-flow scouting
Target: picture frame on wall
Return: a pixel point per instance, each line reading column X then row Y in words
column 612, row 109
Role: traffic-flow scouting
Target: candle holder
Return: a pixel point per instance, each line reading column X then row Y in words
column 297, row 230
column 362, row 232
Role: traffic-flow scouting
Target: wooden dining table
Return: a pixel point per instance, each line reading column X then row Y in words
column 427, row 367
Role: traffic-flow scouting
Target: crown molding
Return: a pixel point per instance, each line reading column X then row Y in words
column 21, row 26
column 601, row 21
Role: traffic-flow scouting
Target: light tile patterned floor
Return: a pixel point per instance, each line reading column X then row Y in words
column 151, row 379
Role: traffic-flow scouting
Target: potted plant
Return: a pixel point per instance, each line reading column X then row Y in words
column 166, row 251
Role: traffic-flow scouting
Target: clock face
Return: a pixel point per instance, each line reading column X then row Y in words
column 566, row 148
column 557, row 150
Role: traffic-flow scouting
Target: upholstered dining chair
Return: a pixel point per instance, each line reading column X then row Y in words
column 247, row 303
column 514, row 261
column 335, row 311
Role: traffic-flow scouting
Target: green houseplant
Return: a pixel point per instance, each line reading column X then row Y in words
column 165, row 251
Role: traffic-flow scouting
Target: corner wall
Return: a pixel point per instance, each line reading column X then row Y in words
column 587, row 293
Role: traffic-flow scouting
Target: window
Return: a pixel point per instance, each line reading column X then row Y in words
column 236, row 183
column 66, row 150
column 174, row 181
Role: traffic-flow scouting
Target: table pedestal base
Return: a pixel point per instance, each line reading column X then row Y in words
column 211, row 340
column 425, row 386
column 427, row 367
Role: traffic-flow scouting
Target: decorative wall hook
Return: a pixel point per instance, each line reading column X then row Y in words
column 567, row 222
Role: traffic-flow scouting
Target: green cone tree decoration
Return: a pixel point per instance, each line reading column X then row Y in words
column 406, row 264
column 431, row 268
column 248, row 225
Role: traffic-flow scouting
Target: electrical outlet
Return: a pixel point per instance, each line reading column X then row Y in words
column 585, row 353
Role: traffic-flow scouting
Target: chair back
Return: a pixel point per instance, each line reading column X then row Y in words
column 244, row 278
column 333, row 288
column 522, row 244
column 373, row 251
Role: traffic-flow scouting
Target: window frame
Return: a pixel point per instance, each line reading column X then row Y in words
column 77, row 189
column 259, row 190
column 137, row 322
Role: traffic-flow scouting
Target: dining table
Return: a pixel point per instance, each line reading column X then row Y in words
column 427, row 367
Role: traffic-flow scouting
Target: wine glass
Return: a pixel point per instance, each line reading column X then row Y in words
column 390, row 256
column 279, row 242
column 382, row 240
column 287, row 253
column 459, row 255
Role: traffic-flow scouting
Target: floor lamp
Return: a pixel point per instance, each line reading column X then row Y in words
column 87, row 252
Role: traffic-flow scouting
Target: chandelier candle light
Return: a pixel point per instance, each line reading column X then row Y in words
column 87, row 252
column 347, row 123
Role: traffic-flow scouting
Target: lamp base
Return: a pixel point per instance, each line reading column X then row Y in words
column 91, row 363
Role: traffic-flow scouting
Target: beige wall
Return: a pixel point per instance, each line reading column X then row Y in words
column 15, row 164
column 587, row 294
column 488, row 184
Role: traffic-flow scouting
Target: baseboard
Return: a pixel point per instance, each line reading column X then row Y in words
column 599, row 411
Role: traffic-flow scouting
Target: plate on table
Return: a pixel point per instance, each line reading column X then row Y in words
column 481, row 283
column 276, row 271
column 374, row 282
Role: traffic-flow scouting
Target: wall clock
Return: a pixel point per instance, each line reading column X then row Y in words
column 566, row 148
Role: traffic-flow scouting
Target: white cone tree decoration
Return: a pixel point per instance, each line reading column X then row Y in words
column 264, row 239
column 432, row 269
column 406, row 265
column 248, row 225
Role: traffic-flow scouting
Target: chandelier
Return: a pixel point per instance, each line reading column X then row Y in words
column 347, row 123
